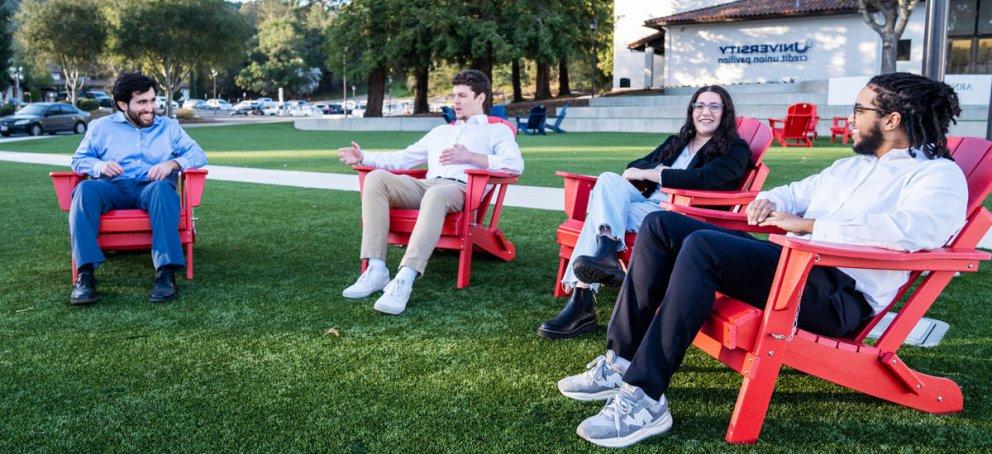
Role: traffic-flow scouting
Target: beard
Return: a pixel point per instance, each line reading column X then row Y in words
column 136, row 118
column 870, row 141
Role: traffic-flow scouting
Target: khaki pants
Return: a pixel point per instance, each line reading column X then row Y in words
column 434, row 198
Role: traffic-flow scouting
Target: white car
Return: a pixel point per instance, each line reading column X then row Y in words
column 273, row 108
column 160, row 104
column 219, row 104
column 195, row 104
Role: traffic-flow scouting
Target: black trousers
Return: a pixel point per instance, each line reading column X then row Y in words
column 677, row 266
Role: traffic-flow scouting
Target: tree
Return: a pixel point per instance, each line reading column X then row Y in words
column 358, row 44
column 168, row 38
column 6, row 52
column 68, row 33
column 895, row 14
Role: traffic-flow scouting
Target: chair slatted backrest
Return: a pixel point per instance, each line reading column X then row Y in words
column 974, row 157
column 797, row 125
column 758, row 137
column 537, row 116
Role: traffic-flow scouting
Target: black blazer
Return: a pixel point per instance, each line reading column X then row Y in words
column 708, row 170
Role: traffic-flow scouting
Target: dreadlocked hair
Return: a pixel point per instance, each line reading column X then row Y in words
column 725, row 133
column 927, row 108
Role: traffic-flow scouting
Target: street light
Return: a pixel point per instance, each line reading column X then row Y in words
column 344, row 81
column 17, row 73
column 213, row 73
column 592, row 86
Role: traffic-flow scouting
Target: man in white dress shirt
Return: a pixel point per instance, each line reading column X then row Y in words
column 900, row 191
column 448, row 150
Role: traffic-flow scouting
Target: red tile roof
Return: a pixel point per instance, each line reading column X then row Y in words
column 756, row 9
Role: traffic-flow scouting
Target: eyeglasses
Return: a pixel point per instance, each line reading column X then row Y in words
column 858, row 108
column 712, row 107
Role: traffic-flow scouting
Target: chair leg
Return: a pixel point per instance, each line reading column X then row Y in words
column 559, row 290
column 465, row 265
column 753, row 399
column 72, row 265
column 189, row 261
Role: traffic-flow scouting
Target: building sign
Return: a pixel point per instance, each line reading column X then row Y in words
column 750, row 54
column 972, row 90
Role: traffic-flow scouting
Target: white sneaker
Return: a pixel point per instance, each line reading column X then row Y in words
column 394, row 297
column 627, row 418
column 369, row 282
column 601, row 380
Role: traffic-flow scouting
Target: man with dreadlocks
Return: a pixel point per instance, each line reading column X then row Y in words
column 900, row 191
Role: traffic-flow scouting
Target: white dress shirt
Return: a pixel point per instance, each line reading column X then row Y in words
column 895, row 202
column 476, row 134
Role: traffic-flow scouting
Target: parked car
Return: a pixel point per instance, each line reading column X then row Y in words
column 273, row 108
column 45, row 117
column 100, row 96
column 219, row 104
column 247, row 108
column 195, row 104
column 160, row 104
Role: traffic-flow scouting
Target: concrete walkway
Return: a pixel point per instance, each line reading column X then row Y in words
column 516, row 196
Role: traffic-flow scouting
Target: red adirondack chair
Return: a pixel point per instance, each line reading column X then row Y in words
column 839, row 127
column 131, row 229
column 465, row 230
column 799, row 125
column 757, row 343
column 578, row 188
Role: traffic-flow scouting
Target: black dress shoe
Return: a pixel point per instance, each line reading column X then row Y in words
column 84, row 290
column 165, row 286
column 578, row 317
column 603, row 267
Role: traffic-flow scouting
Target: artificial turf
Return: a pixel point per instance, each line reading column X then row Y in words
column 261, row 353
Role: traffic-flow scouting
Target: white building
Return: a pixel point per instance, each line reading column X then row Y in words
column 699, row 42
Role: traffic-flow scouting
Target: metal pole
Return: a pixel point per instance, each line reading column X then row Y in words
column 935, row 39
column 344, row 82
column 988, row 121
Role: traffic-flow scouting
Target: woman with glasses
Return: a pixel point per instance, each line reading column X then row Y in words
column 705, row 154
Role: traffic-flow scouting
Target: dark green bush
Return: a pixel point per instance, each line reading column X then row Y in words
column 88, row 104
column 7, row 109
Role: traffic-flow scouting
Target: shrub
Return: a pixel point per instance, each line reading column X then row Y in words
column 185, row 114
column 88, row 104
column 7, row 109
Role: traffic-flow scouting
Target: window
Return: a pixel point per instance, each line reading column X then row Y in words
column 962, row 18
column 985, row 18
column 984, row 61
column 902, row 49
column 958, row 56
column 969, row 46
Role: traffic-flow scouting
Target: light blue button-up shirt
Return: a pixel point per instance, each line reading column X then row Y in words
column 137, row 150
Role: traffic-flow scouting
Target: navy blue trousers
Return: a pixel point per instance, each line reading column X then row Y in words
column 677, row 266
column 92, row 198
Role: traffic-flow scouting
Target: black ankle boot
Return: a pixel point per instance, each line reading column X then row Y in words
column 164, row 288
column 602, row 268
column 578, row 317
column 84, row 290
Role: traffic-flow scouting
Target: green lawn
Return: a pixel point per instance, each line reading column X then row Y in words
column 280, row 146
column 244, row 360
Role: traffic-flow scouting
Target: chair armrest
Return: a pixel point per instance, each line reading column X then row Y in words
column 725, row 219
column 868, row 257
column 64, row 183
column 772, row 121
column 695, row 197
column 577, row 188
column 193, row 182
column 478, row 184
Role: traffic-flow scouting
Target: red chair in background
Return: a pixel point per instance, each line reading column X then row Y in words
column 579, row 187
column 757, row 343
column 464, row 230
column 131, row 229
column 798, row 127
column 839, row 127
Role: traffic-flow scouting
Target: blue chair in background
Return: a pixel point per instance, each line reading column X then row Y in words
column 448, row 114
column 534, row 123
column 498, row 110
column 561, row 116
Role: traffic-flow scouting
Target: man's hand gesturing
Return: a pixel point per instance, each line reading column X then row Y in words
column 350, row 155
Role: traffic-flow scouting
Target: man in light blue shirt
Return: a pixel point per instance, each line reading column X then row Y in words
column 132, row 158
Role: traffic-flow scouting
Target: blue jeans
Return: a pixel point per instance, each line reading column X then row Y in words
column 615, row 203
column 92, row 198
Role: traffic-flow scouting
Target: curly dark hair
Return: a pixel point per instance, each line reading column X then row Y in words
column 476, row 80
column 725, row 132
column 127, row 84
column 927, row 108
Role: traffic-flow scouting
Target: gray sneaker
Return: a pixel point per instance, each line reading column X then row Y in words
column 627, row 418
column 601, row 380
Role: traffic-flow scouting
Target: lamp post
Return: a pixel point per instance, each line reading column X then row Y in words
column 344, row 81
column 213, row 73
column 17, row 73
column 592, row 27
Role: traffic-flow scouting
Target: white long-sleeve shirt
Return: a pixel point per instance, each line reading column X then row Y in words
column 895, row 202
column 476, row 134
